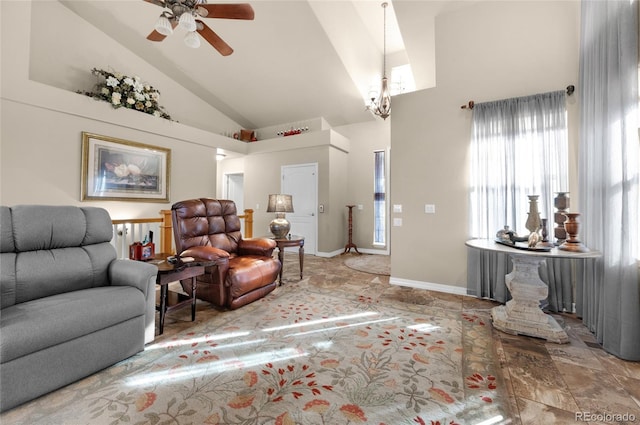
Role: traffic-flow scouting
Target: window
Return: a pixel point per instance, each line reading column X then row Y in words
column 379, row 198
column 519, row 147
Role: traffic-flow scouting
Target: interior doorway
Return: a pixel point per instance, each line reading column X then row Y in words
column 301, row 182
column 234, row 190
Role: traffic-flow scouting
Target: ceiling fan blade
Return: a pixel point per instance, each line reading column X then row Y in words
column 160, row 3
column 214, row 39
column 156, row 36
column 226, row 11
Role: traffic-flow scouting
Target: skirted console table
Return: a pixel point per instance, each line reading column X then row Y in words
column 522, row 314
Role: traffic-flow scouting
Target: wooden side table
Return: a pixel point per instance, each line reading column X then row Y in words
column 167, row 273
column 282, row 243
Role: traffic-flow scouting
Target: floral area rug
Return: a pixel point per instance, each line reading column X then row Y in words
column 302, row 355
column 369, row 263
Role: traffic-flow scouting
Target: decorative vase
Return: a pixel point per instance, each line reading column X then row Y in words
column 561, row 202
column 533, row 221
column 544, row 243
column 571, row 226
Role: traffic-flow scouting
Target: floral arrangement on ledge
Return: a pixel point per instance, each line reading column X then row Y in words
column 126, row 92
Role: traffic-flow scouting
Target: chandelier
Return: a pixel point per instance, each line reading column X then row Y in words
column 382, row 106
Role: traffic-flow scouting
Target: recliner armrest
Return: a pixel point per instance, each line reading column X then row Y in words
column 256, row 246
column 206, row 253
column 133, row 273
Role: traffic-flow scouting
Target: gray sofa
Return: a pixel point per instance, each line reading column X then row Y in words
column 68, row 307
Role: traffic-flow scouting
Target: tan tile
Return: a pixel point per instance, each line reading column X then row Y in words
column 534, row 375
column 596, row 390
column 579, row 356
column 618, row 366
column 534, row 413
column 632, row 386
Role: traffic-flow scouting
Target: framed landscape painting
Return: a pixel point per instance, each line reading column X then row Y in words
column 120, row 170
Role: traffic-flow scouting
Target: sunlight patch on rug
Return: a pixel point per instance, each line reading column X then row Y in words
column 297, row 356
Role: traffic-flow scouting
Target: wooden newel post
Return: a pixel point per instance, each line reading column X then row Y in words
column 166, row 232
column 350, row 244
column 248, row 223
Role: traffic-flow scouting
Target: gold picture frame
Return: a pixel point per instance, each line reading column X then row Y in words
column 120, row 170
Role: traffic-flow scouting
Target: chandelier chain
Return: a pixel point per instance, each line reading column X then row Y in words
column 384, row 40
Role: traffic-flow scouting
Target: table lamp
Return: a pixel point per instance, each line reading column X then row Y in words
column 280, row 204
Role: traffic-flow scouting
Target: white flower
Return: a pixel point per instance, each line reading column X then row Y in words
column 134, row 169
column 121, row 170
column 148, row 104
column 139, row 96
column 137, row 86
column 128, row 80
column 156, row 113
column 112, row 82
column 115, row 98
column 105, row 90
column 131, row 101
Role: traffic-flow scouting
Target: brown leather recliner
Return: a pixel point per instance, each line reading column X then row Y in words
column 245, row 269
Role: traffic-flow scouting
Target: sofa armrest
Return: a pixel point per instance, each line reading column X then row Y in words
column 133, row 273
column 256, row 246
column 206, row 253
column 142, row 276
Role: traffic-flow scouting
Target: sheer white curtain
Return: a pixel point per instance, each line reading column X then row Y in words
column 518, row 148
column 608, row 172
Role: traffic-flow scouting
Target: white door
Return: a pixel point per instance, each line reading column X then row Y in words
column 234, row 190
column 301, row 182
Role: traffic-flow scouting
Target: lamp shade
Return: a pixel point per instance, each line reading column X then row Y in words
column 163, row 26
column 187, row 21
column 280, row 203
column 192, row 40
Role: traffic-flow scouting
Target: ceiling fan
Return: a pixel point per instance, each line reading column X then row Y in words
column 188, row 13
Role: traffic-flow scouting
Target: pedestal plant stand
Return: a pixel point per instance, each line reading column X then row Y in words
column 350, row 244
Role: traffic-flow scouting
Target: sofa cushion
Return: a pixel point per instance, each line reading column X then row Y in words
column 250, row 272
column 38, row 324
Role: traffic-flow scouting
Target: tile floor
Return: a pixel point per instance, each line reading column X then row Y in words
column 548, row 383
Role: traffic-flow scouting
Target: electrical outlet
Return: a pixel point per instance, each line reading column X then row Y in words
column 360, row 206
column 429, row 209
column 397, row 208
column 397, row 222
column 321, row 208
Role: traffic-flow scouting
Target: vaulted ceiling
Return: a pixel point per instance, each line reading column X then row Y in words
column 295, row 61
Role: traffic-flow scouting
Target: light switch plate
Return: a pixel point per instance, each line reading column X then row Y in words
column 397, row 208
column 429, row 209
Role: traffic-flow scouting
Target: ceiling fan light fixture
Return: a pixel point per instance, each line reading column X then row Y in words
column 192, row 40
column 187, row 21
column 163, row 26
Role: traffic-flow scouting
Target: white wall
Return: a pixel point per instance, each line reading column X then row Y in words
column 41, row 127
column 365, row 138
column 489, row 50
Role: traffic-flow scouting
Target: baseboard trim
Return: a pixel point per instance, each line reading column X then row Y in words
column 438, row 287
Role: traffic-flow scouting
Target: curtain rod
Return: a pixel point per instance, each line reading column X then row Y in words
column 570, row 89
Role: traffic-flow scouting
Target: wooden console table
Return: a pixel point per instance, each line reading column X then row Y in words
column 350, row 244
column 522, row 314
